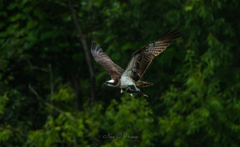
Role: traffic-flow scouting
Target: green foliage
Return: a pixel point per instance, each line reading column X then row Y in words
column 3, row 101
column 65, row 93
column 5, row 133
column 195, row 98
column 5, row 130
column 130, row 119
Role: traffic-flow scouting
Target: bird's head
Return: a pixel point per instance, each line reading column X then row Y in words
column 110, row 83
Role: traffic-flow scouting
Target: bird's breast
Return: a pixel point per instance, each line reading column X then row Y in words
column 126, row 82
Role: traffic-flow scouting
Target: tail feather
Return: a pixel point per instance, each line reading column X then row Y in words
column 141, row 84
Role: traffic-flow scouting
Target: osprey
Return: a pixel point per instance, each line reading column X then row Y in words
column 137, row 65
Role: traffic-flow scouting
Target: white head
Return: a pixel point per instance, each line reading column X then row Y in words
column 110, row 83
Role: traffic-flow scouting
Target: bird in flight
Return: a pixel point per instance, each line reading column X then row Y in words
column 137, row 65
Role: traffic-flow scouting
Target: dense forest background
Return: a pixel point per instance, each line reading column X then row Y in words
column 49, row 97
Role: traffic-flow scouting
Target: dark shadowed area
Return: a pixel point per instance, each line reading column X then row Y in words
column 51, row 88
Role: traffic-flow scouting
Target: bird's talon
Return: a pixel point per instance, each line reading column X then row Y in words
column 138, row 90
column 121, row 91
column 128, row 88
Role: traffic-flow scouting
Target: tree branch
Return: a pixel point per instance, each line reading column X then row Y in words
column 34, row 67
column 92, row 77
column 33, row 90
column 55, row 108
column 92, row 20
column 51, row 81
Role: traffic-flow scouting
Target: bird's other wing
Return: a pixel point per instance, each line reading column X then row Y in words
column 103, row 59
column 141, row 59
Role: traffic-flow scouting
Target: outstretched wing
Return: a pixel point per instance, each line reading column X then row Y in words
column 102, row 58
column 141, row 59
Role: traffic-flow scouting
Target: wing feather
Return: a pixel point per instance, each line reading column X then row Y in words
column 142, row 58
column 103, row 59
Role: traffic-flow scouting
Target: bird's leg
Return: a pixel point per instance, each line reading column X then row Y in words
column 137, row 89
column 128, row 88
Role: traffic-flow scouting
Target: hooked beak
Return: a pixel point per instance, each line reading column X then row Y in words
column 105, row 84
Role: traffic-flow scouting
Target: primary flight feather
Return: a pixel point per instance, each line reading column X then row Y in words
column 137, row 65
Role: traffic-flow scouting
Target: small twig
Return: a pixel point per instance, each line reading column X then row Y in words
column 33, row 90
column 51, row 80
column 55, row 108
column 49, row 105
column 92, row 20
column 238, row 36
column 78, row 70
column 51, row 85
column 75, row 81
column 34, row 67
